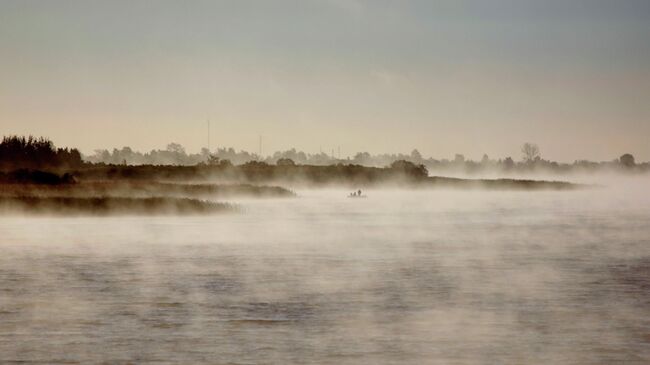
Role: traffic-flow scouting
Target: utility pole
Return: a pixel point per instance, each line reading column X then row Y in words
column 208, row 136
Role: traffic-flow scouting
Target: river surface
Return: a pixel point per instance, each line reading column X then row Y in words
column 419, row 277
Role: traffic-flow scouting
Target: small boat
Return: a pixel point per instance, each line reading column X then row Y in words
column 357, row 195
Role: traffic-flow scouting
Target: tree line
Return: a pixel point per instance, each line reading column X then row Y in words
column 36, row 153
column 530, row 160
column 18, row 152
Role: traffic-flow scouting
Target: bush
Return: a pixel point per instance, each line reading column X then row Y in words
column 410, row 169
column 285, row 162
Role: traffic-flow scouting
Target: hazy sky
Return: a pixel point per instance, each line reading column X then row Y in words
column 471, row 77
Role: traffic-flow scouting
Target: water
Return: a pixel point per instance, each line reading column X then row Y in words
column 437, row 277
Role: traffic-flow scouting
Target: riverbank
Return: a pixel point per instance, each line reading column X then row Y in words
column 103, row 206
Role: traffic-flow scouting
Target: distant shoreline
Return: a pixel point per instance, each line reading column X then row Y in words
column 503, row 184
column 404, row 175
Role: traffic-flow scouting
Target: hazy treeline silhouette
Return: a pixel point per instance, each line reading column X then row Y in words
column 530, row 161
column 174, row 154
column 36, row 153
column 40, row 153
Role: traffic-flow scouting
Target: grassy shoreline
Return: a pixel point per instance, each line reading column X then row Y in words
column 145, row 189
column 308, row 176
column 501, row 184
column 104, row 206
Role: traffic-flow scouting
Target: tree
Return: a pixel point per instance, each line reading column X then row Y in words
column 508, row 163
column 285, row 162
column 410, row 169
column 176, row 148
column 225, row 163
column 530, row 152
column 627, row 160
column 362, row 158
column 213, row 160
column 416, row 156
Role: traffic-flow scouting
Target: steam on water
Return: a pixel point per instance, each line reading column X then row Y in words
column 400, row 277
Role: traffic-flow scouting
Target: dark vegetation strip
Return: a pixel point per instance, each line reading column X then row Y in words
column 127, row 188
column 400, row 174
column 405, row 175
column 501, row 184
column 35, row 177
column 258, row 173
column 220, row 190
column 243, row 180
column 109, row 206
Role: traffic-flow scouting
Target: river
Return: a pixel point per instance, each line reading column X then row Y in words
column 402, row 277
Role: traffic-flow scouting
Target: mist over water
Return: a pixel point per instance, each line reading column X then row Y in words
column 429, row 276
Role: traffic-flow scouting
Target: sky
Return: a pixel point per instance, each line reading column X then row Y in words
column 444, row 77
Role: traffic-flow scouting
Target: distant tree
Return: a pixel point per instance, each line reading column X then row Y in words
column 627, row 160
column 176, row 148
column 285, row 162
column 416, row 156
column 530, row 152
column 459, row 159
column 225, row 163
column 410, row 169
column 485, row 160
column 362, row 158
column 213, row 160
column 508, row 163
